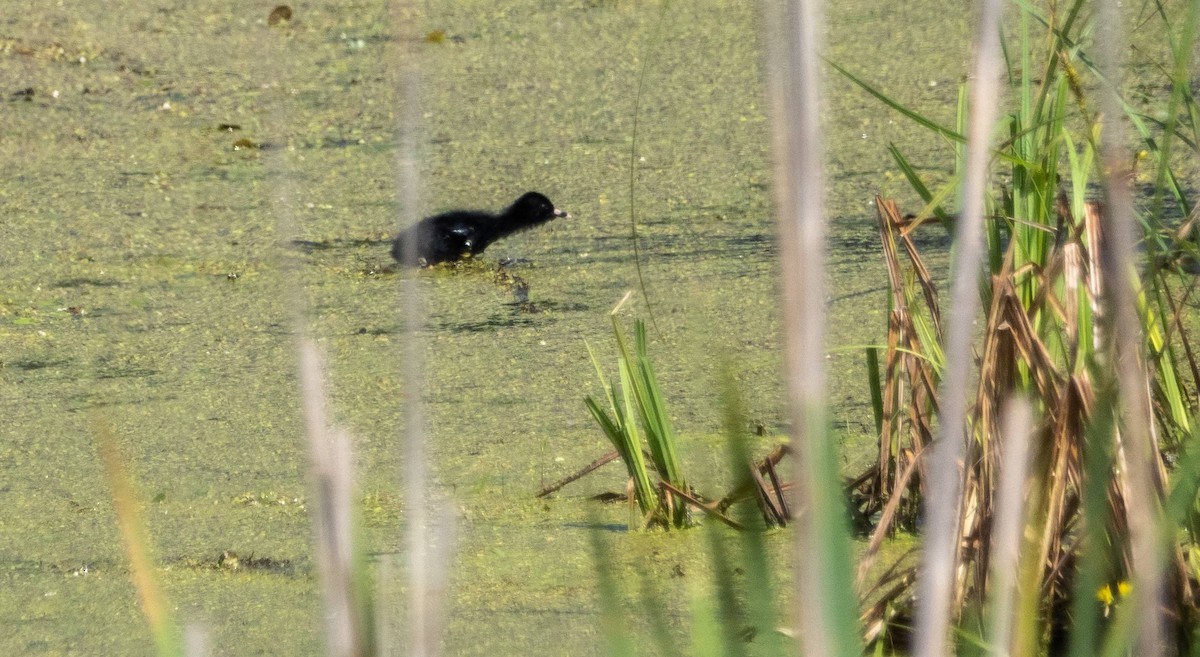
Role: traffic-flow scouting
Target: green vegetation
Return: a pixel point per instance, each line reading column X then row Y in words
column 638, row 402
column 144, row 269
column 1048, row 335
column 736, row 610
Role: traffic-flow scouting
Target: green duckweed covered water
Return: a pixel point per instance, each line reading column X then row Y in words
column 148, row 258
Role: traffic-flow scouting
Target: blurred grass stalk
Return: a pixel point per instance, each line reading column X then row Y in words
column 940, row 557
column 826, row 613
column 1006, row 612
column 429, row 522
column 1137, row 445
column 355, row 620
column 331, row 479
column 135, row 538
column 342, row 577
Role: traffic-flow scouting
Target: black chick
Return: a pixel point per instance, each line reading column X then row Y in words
column 463, row 233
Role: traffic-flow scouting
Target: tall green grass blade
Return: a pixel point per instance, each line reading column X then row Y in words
column 661, row 434
column 931, row 342
column 832, row 544
column 933, row 203
column 706, row 635
column 1080, row 163
column 621, row 430
column 887, row 100
column 638, row 402
column 761, row 609
column 875, row 384
column 910, row 174
column 1094, row 570
column 639, row 378
column 1025, row 143
column 631, row 455
column 1119, row 640
column 653, row 610
column 1162, row 361
column 633, row 436
column 730, row 617
column 617, row 642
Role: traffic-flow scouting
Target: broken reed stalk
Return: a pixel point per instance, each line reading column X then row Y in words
column 944, row 503
column 575, row 476
column 826, row 609
column 912, row 364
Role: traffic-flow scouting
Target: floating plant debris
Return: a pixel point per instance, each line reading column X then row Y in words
column 279, row 14
column 229, row 560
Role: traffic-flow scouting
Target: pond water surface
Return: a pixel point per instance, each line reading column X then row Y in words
column 173, row 170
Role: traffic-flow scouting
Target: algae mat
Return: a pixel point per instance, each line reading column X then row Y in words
column 172, row 171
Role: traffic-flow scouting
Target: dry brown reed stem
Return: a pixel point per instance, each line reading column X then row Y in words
column 575, row 476
column 886, row 518
column 1009, row 524
column 1013, row 353
column 795, row 93
column 909, row 391
column 944, row 502
column 1137, row 447
column 917, row 391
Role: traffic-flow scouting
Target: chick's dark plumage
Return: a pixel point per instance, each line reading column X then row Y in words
column 463, row 233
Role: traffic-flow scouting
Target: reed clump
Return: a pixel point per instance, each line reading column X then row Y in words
column 1048, row 335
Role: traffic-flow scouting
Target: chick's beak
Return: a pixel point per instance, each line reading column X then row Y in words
column 562, row 214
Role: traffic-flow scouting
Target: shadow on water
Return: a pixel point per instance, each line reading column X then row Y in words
column 615, row 528
column 310, row 246
column 492, row 323
column 534, row 307
column 616, row 249
column 30, row 364
column 88, row 282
